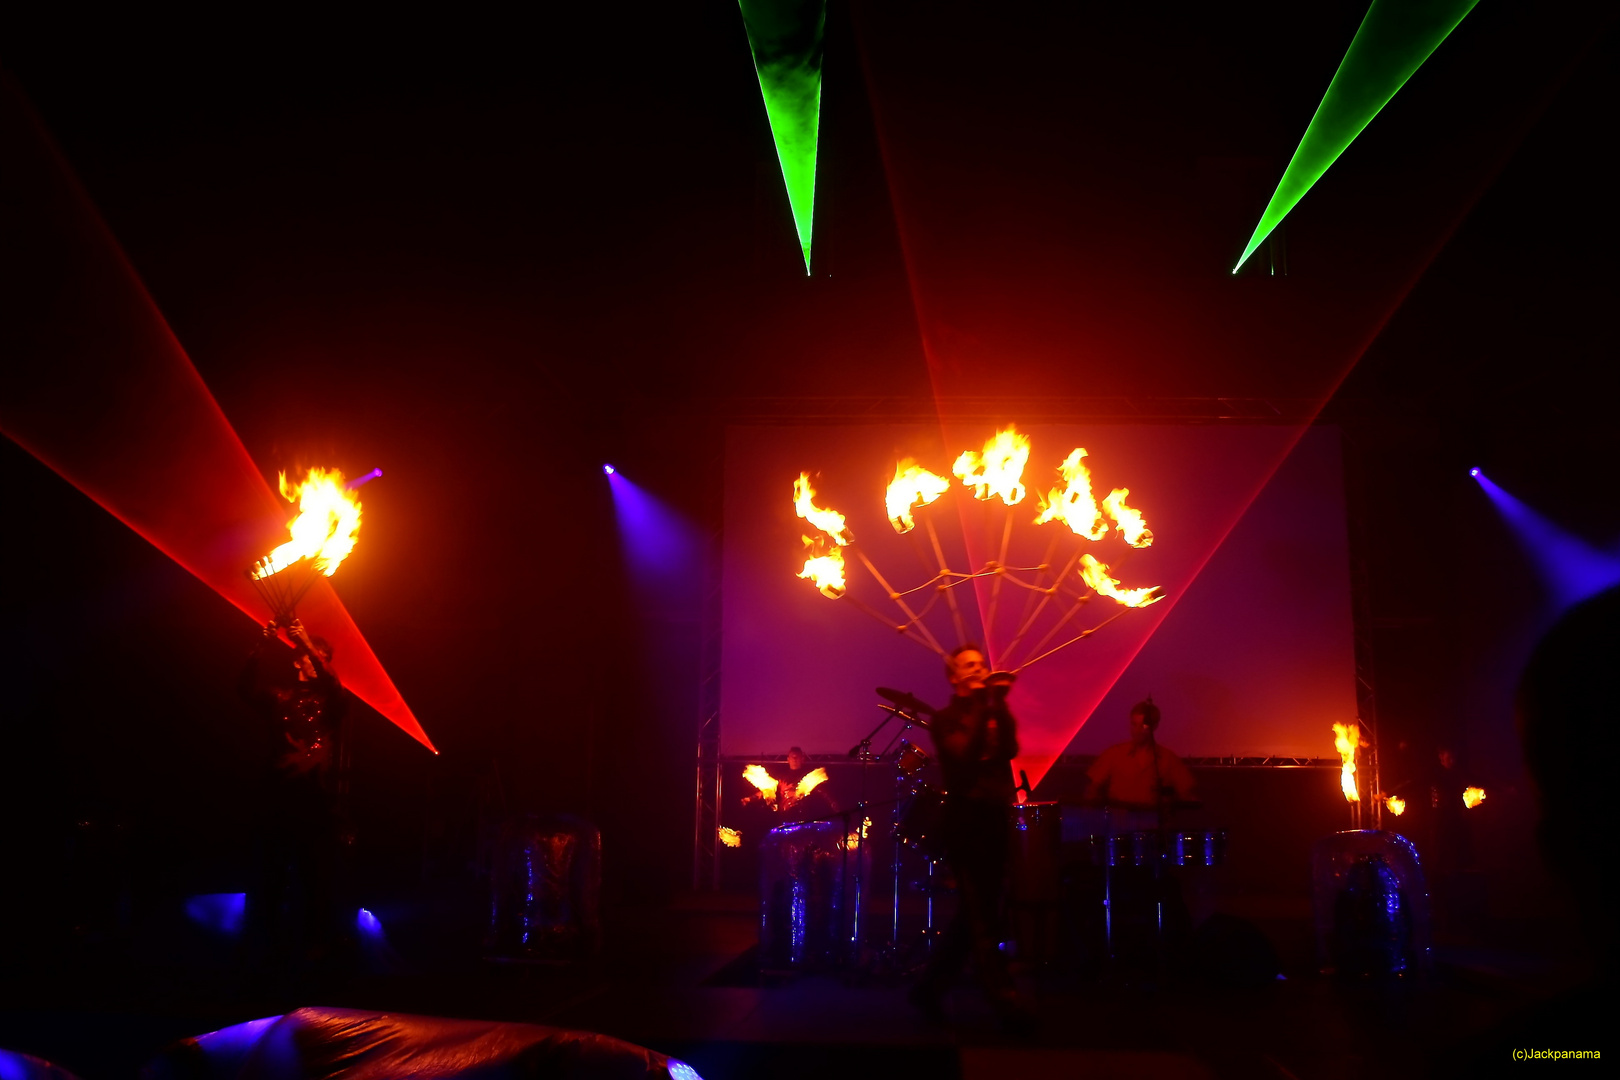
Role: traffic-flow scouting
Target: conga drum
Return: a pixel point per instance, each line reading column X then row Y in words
column 801, row 896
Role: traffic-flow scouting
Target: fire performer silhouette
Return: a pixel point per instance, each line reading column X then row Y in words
column 299, row 707
column 976, row 739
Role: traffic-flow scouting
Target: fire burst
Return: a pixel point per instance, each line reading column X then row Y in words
column 810, row 781
column 327, row 525
column 999, row 470
column 1473, row 796
column 729, row 837
column 763, row 782
column 1396, row 805
column 323, row 534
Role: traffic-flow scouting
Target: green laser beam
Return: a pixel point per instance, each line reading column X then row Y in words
column 1394, row 40
column 786, row 37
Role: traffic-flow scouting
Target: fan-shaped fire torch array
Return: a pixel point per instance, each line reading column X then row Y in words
column 995, row 472
column 323, row 533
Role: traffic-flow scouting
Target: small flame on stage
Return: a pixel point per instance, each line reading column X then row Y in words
column 1473, row 796
column 999, row 470
column 325, row 530
column 1346, row 740
column 857, row 836
column 810, row 781
column 1095, row 575
column 912, row 486
column 1396, row 805
column 729, row 837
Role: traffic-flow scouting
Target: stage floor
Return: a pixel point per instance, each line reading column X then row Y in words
column 654, row 986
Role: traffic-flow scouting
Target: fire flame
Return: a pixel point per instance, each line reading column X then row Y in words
column 826, row 571
column 912, row 485
column 999, row 469
column 1074, row 504
column 1096, row 578
column 1346, row 740
column 1396, row 805
column 729, row 837
column 325, row 529
column 810, row 781
column 1473, row 796
column 1131, row 525
column 763, row 781
column 830, row 522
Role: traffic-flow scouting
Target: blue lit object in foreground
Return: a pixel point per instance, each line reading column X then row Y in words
column 608, row 470
column 220, row 912
column 1572, row 568
column 680, row 1070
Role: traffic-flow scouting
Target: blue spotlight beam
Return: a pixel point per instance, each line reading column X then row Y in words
column 1572, row 568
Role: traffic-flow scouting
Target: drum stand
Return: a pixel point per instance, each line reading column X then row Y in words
column 889, row 955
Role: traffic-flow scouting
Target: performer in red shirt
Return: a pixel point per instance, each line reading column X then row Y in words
column 1141, row 774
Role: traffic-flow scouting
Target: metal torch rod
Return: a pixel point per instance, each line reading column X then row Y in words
column 950, row 597
column 900, row 601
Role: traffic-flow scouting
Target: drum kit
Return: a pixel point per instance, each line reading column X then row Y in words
column 1114, row 843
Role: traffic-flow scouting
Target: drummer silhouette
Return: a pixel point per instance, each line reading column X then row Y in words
column 1140, row 775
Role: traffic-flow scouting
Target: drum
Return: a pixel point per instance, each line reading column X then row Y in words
column 1198, row 848
column 1034, row 881
column 922, row 822
column 910, row 760
column 1138, row 848
column 1143, row 847
column 801, row 896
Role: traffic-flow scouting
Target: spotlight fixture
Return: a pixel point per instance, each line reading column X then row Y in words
column 1473, row 472
column 608, row 470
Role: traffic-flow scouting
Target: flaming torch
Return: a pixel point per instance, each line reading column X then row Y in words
column 999, row 470
column 763, row 782
column 729, row 837
column 323, row 533
column 1473, row 796
column 1347, row 740
column 1396, row 805
column 912, row 486
column 809, row 782
column 823, row 564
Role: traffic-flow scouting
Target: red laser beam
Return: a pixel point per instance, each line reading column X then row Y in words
column 98, row 389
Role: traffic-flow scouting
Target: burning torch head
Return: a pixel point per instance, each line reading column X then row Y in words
column 966, row 669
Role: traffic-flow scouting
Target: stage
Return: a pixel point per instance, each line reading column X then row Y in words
column 809, row 536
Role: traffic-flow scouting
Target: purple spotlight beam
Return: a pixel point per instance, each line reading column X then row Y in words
column 366, row 479
column 1572, row 568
